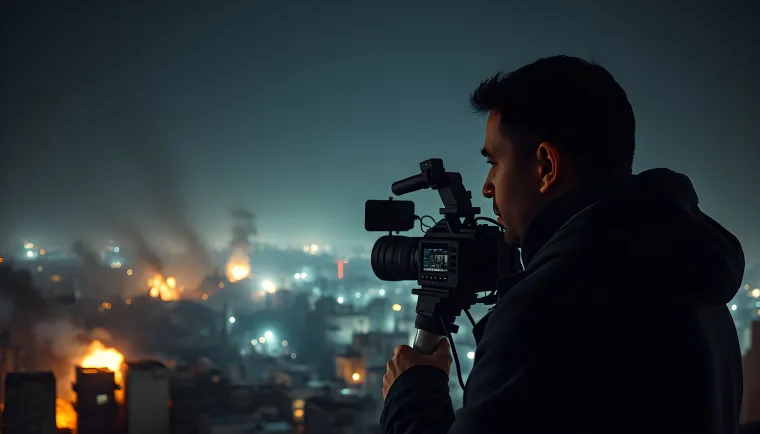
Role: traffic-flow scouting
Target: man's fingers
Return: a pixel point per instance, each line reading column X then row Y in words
column 401, row 349
column 442, row 347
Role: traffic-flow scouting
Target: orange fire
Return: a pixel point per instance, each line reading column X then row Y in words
column 238, row 266
column 166, row 289
column 97, row 356
column 65, row 415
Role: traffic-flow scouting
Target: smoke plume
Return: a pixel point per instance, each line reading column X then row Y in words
column 158, row 173
column 139, row 246
column 50, row 339
column 68, row 344
column 243, row 228
column 86, row 254
column 102, row 158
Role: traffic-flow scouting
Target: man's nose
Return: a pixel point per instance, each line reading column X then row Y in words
column 488, row 189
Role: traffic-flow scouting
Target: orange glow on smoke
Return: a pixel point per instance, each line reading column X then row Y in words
column 238, row 266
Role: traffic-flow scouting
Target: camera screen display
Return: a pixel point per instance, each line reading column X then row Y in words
column 435, row 258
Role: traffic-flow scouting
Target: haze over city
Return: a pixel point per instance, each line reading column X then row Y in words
column 302, row 111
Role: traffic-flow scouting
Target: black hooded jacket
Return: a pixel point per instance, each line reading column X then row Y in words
column 618, row 324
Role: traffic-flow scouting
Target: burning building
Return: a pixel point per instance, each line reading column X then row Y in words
column 98, row 379
column 98, row 412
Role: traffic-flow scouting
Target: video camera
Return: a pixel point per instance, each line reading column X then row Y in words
column 455, row 260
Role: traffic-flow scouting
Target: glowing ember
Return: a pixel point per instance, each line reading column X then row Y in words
column 166, row 289
column 238, row 266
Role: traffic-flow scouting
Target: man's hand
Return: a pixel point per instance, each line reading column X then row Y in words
column 404, row 357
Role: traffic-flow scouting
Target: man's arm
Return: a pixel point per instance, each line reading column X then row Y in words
column 524, row 370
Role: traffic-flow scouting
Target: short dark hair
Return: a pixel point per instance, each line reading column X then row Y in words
column 574, row 104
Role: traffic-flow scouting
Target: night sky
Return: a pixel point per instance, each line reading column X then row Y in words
column 300, row 111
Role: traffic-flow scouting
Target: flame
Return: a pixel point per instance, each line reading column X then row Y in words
column 238, row 266
column 166, row 289
column 99, row 356
column 65, row 415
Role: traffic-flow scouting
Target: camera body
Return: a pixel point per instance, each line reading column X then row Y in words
column 455, row 259
column 467, row 258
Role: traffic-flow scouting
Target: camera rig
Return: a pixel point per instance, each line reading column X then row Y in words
column 456, row 259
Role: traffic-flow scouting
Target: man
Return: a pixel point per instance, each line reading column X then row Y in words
column 619, row 321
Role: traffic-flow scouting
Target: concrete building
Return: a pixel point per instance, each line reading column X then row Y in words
column 147, row 398
column 192, row 395
column 381, row 318
column 29, row 403
column 97, row 410
column 327, row 415
column 10, row 360
column 341, row 328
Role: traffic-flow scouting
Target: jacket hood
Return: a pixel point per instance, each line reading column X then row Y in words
column 651, row 227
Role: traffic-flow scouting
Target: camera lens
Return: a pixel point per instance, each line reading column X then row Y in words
column 395, row 258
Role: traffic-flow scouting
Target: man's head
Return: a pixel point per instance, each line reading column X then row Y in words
column 553, row 125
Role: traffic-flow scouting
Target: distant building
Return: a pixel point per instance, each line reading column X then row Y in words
column 292, row 376
column 259, row 369
column 350, row 368
column 193, row 395
column 327, row 415
column 29, row 403
column 751, row 370
column 147, row 398
column 11, row 359
column 242, row 424
column 377, row 347
column 341, row 328
column 207, row 400
column 381, row 318
column 230, row 424
column 269, row 403
column 97, row 410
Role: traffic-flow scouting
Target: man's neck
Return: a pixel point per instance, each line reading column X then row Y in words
column 550, row 218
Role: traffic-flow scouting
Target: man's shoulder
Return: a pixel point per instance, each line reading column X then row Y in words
column 551, row 280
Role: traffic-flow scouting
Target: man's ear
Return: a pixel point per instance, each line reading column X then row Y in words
column 548, row 167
